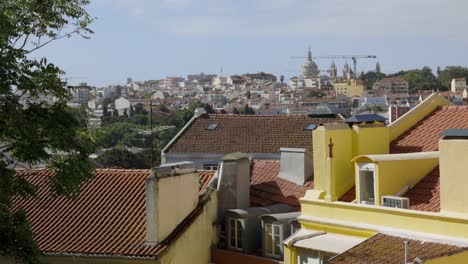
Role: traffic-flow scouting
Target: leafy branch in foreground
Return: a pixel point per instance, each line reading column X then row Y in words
column 34, row 132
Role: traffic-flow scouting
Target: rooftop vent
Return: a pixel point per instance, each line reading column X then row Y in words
column 368, row 118
column 395, row 202
column 455, row 134
column 212, row 126
column 310, row 127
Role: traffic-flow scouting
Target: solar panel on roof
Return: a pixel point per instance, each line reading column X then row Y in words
column 310, row 127
column 212, row 126
column 455, row 133
column 365, row 118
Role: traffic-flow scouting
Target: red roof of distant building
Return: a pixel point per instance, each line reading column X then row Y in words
column 425, row 135
column 267, row 188
column 106, row 218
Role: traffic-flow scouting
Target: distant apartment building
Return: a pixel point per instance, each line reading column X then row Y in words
column 392, row 85
column 350, row 88
column 170, row 82
column 219, row 81
column 235, row 80
column 458, row 85
column 82, row 94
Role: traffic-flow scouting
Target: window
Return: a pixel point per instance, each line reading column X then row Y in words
column 212, row 126
column 272, row 240
column 210, row 166
column 366, row 183
column 314, row 257
column 235, row 233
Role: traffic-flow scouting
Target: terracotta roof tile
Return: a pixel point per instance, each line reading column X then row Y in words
column 390, row 249
column 425, row 195
column 247, row 133
column 267, row 188
column 106, row 218
column 425, row 135
column 349, row 196
column 205, row 177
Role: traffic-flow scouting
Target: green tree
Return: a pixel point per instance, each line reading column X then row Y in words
column 247, row 110
column 282, row 79
column 235, row 111
column 122, row 158
column 377, row 68
column 32, row 131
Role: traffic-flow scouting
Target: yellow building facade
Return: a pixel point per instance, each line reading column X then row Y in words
column 356, row 159
column 350, row 88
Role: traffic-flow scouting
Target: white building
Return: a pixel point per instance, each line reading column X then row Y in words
column 121, row 105
column 458, row 85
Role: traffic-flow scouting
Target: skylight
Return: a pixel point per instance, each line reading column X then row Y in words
column 310, row 127
column 212, row 126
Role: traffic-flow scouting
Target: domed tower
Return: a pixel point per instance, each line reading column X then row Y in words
column 309, row 68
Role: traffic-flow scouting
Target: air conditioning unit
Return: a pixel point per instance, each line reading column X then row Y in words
column 395, row 201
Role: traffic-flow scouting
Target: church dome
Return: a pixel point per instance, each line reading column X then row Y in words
column 309, row 68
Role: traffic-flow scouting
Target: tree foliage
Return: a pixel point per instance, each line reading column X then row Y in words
column 32, row 131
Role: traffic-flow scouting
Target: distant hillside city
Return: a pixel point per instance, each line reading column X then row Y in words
column 121, row 114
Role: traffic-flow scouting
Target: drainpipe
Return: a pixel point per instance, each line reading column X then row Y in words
column 406, row 251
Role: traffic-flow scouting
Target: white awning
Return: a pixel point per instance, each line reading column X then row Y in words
column 322, row 241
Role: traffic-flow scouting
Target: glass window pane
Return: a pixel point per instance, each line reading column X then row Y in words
column 239, row 234
column 276, row 229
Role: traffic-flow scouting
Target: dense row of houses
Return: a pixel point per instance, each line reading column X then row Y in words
column 274, row 189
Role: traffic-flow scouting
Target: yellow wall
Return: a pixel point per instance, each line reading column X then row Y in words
column 392, row 175
column 454, row 176
column 370, row 139
column 347, row 143
column 405, row 122
column 374, row 217
column 461, row 257
column 349, row 88
column 342, row 176
column 194, row 246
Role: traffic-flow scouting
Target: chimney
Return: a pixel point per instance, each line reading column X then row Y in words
column 453, row 149
column 234, row 182
column 199, row 111
column 171, row 195
column 296, row 165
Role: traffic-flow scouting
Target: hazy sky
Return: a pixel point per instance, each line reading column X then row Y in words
column 151, row 39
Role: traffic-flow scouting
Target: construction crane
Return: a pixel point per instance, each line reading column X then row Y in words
column 346, row 57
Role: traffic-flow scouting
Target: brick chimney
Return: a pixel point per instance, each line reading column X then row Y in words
column 171, row 195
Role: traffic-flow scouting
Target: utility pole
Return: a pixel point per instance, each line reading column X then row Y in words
column 151, row 133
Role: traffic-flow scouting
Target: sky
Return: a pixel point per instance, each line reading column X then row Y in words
column 152, row 39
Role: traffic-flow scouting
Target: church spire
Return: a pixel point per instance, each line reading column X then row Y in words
column 309, row 55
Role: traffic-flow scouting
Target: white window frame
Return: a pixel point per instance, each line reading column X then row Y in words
column 315, row 256
column 367, row 167
column 275, row 239
column 236, row 233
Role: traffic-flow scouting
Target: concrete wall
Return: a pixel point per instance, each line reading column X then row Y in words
column 454, row 176
column 199, row 159
column 370, row 139
column 171, row 195
column 461, row 257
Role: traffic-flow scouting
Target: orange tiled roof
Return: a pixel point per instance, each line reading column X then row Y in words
column 267, row 188
column 247, row 133
column 390, row 249
column 425, row 195
column 425, row 135
column 205, row 178
column 106, row 218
